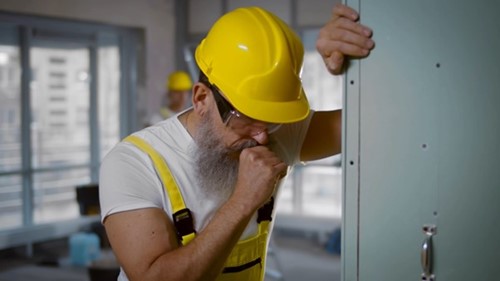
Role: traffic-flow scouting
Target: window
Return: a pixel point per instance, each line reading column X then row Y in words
column 56, row 122
column 320, row 194
column 108, row 58
column 10, row 130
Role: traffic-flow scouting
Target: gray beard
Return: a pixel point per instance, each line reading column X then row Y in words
column 216, row 165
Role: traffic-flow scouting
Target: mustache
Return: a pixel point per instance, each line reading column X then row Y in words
column 235, row 151
column 245, row 144
column 249, row 143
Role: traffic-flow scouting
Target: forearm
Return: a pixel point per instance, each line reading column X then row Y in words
column 204, row 257
column 324, row 136
column 145, row 243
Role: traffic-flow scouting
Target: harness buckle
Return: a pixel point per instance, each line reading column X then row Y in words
column 183, row 222
column 265, row 212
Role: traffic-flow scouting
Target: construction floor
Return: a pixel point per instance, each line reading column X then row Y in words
column 300, row 258
column 292, row 257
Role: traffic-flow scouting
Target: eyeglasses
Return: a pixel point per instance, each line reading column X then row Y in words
column 237, row 121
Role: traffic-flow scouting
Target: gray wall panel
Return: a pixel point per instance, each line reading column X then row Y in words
column 428, row 134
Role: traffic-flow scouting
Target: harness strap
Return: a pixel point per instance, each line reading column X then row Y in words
column 182, row 217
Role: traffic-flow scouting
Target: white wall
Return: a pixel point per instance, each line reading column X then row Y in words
column 202, row 13
column 156, row 17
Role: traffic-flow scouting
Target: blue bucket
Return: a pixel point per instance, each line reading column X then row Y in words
column 84, row 248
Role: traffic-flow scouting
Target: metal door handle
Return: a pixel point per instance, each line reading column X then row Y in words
column 426, row 256
column 426, row 253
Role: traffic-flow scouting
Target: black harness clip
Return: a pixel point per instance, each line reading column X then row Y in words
column 265, row 213
column 183, row 222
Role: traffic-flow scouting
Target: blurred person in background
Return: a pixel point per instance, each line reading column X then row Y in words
column 176, row 98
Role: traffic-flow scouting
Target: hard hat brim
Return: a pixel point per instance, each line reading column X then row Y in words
column 274, row 111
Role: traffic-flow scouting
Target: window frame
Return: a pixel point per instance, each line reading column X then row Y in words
column 32, row 30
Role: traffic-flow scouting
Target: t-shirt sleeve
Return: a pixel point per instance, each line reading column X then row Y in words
column 128, row 181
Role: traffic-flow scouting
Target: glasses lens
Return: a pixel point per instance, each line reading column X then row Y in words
column 240, row 123
column 246, row 125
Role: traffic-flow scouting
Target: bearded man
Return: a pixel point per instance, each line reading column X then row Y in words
column 191, row 198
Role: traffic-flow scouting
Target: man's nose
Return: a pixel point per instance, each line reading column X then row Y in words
column 261, row 137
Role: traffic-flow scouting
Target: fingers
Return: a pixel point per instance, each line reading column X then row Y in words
column 334, row 62
column 351, row 27
column 259, row 171
column 263, row 158
column 346, row 43
column 260, row 166
column 343, row 36
column 340, row 10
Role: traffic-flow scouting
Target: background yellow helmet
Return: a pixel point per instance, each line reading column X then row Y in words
column 255, row 59
column 179, row 81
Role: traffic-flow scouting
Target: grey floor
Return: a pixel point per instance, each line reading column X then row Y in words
column 292, row 258
column 300, row 258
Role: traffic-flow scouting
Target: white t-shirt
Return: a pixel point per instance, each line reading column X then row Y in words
column 128, row 179
column 163, row 114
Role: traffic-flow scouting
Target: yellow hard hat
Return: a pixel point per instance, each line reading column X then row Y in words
column 255, row 59
column 179, row 81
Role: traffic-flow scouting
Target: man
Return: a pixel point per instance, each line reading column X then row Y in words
column 191, row 198
column 178, row 89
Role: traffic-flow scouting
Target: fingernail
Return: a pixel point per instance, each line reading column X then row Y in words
column 367, row 32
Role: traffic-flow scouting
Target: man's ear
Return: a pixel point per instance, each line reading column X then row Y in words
column 201, row 102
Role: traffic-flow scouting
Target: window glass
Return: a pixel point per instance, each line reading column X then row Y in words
column 323, row 89
column 109, row 94
column 55, row 196
column 322, row 193
column 49, row 142
column 60, row 106
column 315, row 188
column 285, row 202
column 10, row 101
column 11, row 211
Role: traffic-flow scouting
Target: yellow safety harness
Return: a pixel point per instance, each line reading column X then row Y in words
column 247, row 259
